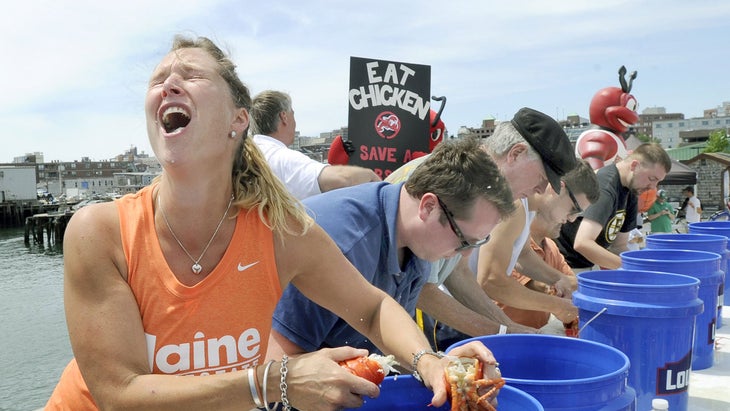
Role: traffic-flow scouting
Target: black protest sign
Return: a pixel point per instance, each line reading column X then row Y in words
column 389, row 113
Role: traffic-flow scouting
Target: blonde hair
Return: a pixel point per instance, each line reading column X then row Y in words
column 256, row 186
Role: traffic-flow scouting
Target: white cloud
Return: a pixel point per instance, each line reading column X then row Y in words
column 73, row 80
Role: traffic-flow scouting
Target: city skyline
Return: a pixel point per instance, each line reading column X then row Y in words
column 77, row 75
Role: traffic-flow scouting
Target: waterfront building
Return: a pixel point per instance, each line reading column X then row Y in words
column 677, row 132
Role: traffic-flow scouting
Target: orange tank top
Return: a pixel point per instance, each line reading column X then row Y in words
column 219, row 325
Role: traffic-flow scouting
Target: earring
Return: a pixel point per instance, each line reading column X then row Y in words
column 233, row 134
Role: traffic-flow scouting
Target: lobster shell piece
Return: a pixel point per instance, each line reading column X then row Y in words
column 469, row 388
column 373, row 368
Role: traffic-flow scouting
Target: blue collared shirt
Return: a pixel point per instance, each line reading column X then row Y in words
column 362, row 221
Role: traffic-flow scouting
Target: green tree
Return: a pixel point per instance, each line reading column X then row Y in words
column 645, row 138
column 718, row 142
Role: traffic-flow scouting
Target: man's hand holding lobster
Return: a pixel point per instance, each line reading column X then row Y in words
column 437, row 374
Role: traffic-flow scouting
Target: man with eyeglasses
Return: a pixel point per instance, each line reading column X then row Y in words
column 531, row 151
column 596, row 239
column 510, row 249
column 391, row 233
column 536, row 300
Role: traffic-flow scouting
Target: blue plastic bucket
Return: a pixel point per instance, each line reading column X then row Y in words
column 650, row 317
column 699, row 264
column 701, row 242
column 403, row 392
column 563, row 373
column 717, row 228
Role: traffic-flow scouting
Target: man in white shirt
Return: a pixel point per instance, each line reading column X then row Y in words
column 693, row 210
column 273, row 126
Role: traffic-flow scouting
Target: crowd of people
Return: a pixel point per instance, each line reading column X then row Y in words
column 254, row 271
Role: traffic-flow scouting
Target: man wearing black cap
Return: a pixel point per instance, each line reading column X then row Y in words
column 596, row 239
column 531, row 151
column 509, row 244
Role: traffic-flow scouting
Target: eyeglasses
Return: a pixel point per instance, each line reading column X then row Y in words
column 465, row 245
column 577, row 210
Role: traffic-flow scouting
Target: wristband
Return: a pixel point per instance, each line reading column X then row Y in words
column 253, row 385
column 417, row 357
column 266, row 377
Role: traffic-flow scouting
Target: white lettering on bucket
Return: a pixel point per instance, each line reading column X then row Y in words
column 674, row 377
column 680, row 381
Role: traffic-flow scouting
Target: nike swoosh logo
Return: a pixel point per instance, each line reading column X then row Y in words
column 246, row 267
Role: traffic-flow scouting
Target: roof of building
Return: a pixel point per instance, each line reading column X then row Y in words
column 722, row 158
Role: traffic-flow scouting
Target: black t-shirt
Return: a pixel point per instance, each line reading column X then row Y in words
column 615, row 210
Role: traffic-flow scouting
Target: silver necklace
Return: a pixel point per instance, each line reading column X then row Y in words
column 196, row 267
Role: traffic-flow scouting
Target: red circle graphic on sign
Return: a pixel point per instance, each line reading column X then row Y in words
column 387, row 125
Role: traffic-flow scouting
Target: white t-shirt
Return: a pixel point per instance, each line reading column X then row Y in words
column 298, row 172
column 691, row 214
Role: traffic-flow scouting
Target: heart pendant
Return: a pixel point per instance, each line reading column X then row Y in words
column 197, row 268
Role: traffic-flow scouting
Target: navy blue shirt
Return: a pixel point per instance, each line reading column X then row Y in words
column 361, row 219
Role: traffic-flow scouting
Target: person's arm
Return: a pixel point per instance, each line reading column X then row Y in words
column 321, row 272
column 447, row 310
column 492, row 275
column 470, row 310
column 585, row 243
column 106, row 332
column 697, row 206
column 338, row 176
column 620, row 244
column 655, row 212
column 533, row 266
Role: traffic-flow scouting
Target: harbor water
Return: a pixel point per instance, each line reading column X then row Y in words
column 34, row 345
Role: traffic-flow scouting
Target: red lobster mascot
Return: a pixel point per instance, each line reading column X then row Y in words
column 341, row 150
column 612, row 112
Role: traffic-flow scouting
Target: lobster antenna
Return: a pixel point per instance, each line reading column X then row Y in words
column 441, row 109
column 626, row 88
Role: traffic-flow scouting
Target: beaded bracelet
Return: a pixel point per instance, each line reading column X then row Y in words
column 282, row 385
column 266, row 378
column 254, row 386
column 417, row 357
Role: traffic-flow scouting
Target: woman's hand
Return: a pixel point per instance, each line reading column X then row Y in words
column 317, row 382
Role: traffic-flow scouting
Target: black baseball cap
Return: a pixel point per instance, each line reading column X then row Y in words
column 549, row 140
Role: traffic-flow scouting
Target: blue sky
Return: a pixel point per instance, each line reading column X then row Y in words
column 74, row 74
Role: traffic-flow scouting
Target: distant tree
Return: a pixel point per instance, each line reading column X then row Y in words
column 645, row 138
column 718, row 142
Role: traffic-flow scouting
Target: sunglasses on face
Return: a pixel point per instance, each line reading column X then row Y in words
column 577, row 210
column 465, row 245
